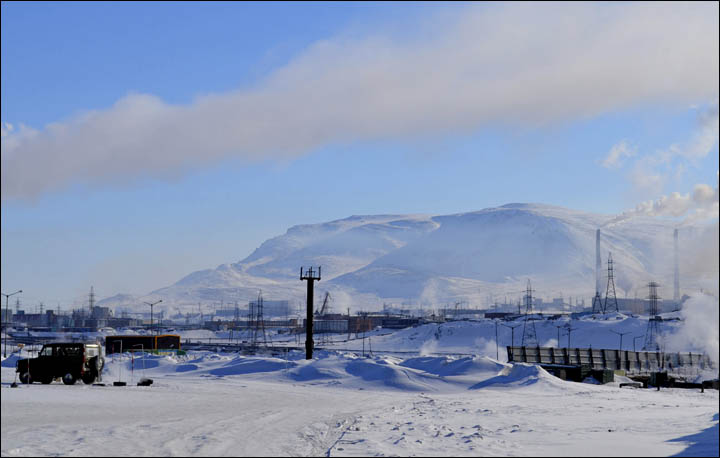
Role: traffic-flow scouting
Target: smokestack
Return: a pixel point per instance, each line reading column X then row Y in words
column 598, row 263
column 676, row 283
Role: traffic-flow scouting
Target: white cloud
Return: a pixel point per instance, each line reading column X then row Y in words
column 705, row 137
column 646, row 177
column 651, row 172
column 617, row 154
column 516, row 64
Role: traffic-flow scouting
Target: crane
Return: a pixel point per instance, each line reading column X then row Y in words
column 324, row 307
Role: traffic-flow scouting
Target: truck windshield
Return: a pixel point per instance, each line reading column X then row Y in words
column 46, row 351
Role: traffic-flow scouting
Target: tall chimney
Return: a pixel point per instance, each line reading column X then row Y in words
column 676, row 283
column 598, row 263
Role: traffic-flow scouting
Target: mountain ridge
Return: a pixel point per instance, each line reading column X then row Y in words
column 423, row 258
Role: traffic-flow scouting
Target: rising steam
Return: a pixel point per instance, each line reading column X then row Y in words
column 515, row 64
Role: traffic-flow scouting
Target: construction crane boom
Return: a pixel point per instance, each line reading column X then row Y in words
column 324, row 308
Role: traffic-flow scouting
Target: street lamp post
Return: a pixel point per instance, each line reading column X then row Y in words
column 512, row 333
column 7, row 321
column 641, row 336
column 569, row 330
column 497, row 350
column 151, row 304
column 559, row 326
column 621, row 334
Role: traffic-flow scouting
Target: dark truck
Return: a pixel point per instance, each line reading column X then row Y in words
column 69, row 361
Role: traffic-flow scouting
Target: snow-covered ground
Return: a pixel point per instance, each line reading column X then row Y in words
column 341, row 404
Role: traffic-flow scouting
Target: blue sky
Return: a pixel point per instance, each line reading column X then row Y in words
column 140, row 224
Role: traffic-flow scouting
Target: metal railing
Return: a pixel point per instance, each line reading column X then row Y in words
column 629, row 361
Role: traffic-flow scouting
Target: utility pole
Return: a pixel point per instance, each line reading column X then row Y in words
column 569, row 330
column 7, row 318
column 310, row 276
column 151, row 313
column 512, row 332
column 559, row 326
column 641, row 336
column 497, row 351
column 621, row 334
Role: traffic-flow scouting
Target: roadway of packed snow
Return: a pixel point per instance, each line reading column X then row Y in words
column 343, row 404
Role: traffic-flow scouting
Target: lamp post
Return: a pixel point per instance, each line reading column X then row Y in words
column 7, row 321
column 569, row 330
column 151, row 304
column 559, row 326
column 621, row 334
column 641, row 336
column 512, row 333
column 497, row 350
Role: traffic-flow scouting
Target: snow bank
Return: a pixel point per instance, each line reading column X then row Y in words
column 344, row 369
column 11, row 360
column 522, row 375
column 447, row 366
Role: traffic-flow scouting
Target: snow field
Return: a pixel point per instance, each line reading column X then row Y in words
column 339, row 404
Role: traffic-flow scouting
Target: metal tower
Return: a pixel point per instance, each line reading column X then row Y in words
column 610, row 291
column 597, row 303
column 598, row 262
column 652, row 333
column 310, row 276
column 529, row 336
column 257, row 322
column 92, row 300
column 676, row 279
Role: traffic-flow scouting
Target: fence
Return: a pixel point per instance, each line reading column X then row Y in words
column 629, row 361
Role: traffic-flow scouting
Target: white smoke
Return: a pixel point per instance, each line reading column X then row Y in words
column 489, row 348
column 340, row 301
column 700, row 258
column 428, row 348
column 430, row 295
column 520, row 64
column 699, row 330
column 701, row 204
column 550, row 343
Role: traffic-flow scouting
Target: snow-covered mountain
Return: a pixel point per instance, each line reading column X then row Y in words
column 435, row 260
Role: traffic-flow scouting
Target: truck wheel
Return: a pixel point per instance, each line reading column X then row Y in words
column 88, row 377
column 46, row 380
column 69, row 379
column 25, row 377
